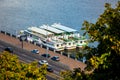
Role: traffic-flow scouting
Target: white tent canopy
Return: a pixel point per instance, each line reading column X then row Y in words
column 52, row 29
column 40, row 31
column 61, row 27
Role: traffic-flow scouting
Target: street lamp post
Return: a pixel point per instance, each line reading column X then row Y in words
column 22, row 38
column 47, row 39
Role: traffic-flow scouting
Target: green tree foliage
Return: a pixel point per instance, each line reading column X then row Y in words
column 106, row 29
column 12, row 69
column 104, row 60
column 76, row 74
column 67, row 75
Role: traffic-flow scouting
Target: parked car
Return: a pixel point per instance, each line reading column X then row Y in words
column 50, row 69
column 55, row 58
column 41, row 62
column 35, row 51
column 9, row 49
column 46, row 55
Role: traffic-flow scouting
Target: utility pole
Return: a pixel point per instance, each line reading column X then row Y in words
column 22, row 38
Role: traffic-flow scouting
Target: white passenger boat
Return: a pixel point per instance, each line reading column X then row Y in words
column 56, row 36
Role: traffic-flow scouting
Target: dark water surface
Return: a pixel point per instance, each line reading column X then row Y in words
column 20, row 14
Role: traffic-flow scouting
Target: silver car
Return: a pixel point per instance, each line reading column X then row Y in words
column 41, row 62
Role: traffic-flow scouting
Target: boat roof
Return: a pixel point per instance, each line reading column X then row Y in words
column 40, row 31
column 52, row 29
column 32, row 33
column 61, row 27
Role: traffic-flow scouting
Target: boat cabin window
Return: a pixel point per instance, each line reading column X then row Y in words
column 69, row 43
column 80, row 41
column 84, row 41
column 65, row 43
column 57, row 45
column 30, row 35
column 73, row 43
column 35, row 37
column 76, row 41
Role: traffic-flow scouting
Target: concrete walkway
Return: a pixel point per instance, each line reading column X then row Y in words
column 28, row 46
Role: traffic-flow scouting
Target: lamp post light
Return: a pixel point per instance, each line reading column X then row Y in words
column 23, row 38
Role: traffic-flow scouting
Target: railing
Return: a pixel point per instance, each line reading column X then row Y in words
column 41, row 45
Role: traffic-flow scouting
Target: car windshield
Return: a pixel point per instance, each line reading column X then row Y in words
column 49, row 68
column 44, row 61
column 35, row 50
column 56, row 57
column 47, row 54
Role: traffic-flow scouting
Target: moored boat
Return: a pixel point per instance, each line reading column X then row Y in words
column 56, row 36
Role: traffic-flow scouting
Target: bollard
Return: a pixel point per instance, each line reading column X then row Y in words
column 41, row 45
column 47, row 48
column 54, row 50
column 11, row 35
column 28, row 41
column 61, row 53
column 34, row 43
column 68, row 55
column 5, row 33
column 76, row 59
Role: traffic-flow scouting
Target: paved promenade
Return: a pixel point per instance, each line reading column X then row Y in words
column 28, row 46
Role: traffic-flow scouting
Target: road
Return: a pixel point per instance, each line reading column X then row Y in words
column 28, row 57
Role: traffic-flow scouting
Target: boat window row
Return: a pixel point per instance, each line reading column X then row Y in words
column 70, row 43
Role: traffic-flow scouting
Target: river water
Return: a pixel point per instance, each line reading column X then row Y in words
column 16, row 15
column 21, row 14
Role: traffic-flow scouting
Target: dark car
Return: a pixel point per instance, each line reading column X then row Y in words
column 46, row 55
column 35, row 51
column 49, row 69
column 55, row 58
column 9, row 49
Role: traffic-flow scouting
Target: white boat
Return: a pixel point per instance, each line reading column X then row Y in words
column 56, row 36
